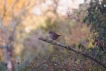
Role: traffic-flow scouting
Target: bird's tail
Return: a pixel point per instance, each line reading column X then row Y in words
column 59, row 35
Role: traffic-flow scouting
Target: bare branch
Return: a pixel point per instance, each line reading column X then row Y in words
column 75, row 50
column 13, row 7
column 4, row 9
column 24, row 9
column 4, row 29
column 13, row 32
column 28, row 3
column 1, row 22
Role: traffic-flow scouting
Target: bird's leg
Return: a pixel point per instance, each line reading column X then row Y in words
column 54, row 40
column 51, row 40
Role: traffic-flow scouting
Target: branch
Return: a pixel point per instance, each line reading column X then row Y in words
column 4, row 9
column 4, row 29
column 24, row 9
column 13, row 5
column 74, row 50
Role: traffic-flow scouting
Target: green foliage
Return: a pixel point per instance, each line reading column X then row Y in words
column 2, row 66
column 96, row 19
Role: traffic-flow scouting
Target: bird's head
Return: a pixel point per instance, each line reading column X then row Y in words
column 51, row 32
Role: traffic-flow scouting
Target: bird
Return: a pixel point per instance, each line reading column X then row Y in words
column 53, row 35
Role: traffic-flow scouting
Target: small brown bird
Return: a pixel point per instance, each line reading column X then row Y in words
column 53, row 35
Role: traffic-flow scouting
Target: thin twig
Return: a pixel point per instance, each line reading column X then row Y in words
column 4, row 9
column 75, row 50
column 12, row 7
column 1, row 21
column 24, row 9
column 4, row 29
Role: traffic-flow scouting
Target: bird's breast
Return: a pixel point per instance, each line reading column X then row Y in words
column 53, row 36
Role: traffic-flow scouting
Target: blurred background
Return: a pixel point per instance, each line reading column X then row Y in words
column 22, row 22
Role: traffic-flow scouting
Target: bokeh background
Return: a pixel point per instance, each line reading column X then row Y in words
column 27, row 20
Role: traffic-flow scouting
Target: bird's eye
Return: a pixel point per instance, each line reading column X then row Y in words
column 50, row 32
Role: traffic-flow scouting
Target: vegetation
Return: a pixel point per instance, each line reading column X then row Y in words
column 23, row 31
